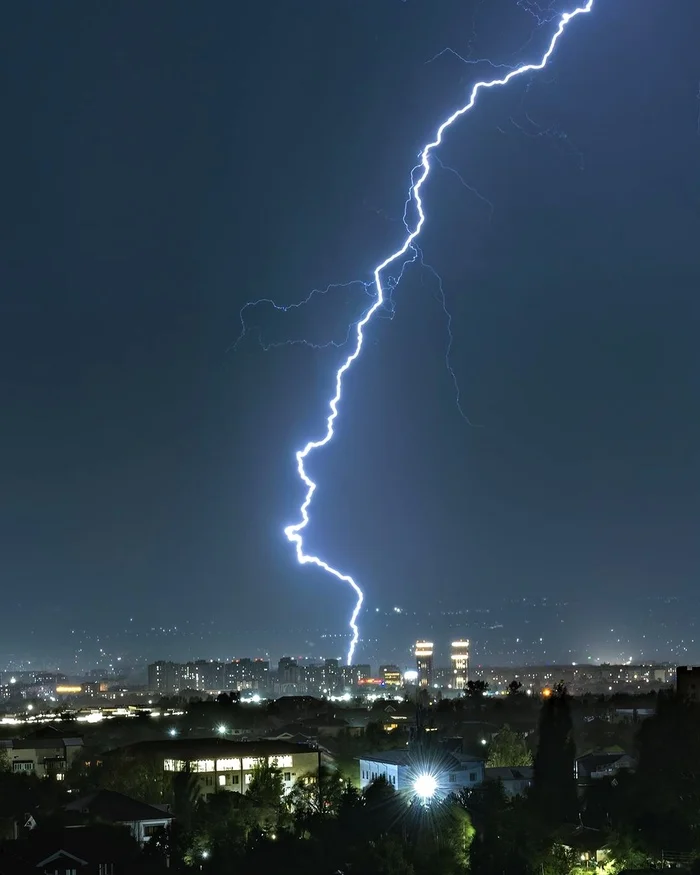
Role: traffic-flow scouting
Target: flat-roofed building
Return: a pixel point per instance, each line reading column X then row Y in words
column 391, row 675
column 459, row 657
column 424, row 663
column 222, row 764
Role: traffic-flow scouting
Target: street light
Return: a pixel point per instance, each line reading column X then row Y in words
column 221, row 729
column 425, row 787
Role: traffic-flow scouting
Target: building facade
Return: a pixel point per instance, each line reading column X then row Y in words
column 400, row 769
column 391, row 675
column 424, row 663
column 688, row 682
column 219, row 764
column 46, row 757
column 459, row 659
column 206, row 675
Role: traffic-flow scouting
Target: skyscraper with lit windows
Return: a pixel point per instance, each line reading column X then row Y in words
column 459, row 657
column 424, row 663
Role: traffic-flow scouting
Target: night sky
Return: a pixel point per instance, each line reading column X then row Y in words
column 165, row 162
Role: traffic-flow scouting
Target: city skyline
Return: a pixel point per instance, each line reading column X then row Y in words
column 507, row 634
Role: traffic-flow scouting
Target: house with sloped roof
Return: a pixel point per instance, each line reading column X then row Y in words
column 107, row 806
column 515, row 780
column 594, row 766
column 45, row 754
column 99, row 849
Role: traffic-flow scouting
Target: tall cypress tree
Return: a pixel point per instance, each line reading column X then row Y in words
column 554, row 786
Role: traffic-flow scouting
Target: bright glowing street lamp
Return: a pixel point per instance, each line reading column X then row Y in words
column 425, row 787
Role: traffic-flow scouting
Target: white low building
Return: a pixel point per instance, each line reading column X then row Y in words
column 515, row 780
column 401, row 769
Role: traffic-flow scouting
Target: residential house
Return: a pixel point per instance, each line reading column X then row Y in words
column 143, row 821
column 594, row 766
column 47, row 753
column 514, row 780
column 452, row 771
column 94, row 850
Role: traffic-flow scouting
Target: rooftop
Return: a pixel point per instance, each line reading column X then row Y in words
column 510, row 773
column 201, row 748
column 107, row 805
column 405, row 757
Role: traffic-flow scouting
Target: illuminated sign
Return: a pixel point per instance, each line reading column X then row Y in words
column 63, row 690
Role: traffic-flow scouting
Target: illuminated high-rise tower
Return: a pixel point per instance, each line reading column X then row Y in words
column 459, row 656
column 424, row 663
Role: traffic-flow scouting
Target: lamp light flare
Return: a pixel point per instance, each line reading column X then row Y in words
column 425, row 787
column 294, row 532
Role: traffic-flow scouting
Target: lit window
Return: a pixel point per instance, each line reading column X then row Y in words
column 59, row 776
column 248, row 779
column 222, row 780
column 250, row 763
column 281, row 762
column 202, row 766
column 232, row 764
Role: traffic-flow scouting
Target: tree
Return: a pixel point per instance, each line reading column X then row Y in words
column 316, row 796
column 508, row 748
column 265, row 794
column 141, row 779
column 476, row 689
column 667, row 793
column 186, row 795
column 496, row 848
column 514, row 688
column 385, row 857
column 266, row 786
column 554, row 786
column 625, row 853
column 222, row 827
column 442, row 841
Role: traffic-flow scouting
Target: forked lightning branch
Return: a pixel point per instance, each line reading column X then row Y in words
column 419, row 176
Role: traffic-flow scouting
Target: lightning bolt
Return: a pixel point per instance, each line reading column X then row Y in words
column 419, row 176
